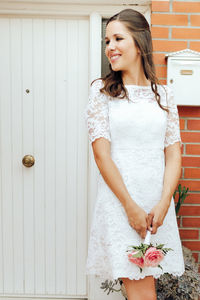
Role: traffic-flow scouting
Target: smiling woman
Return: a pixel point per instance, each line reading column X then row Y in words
column 136, row 144
column 129, row 46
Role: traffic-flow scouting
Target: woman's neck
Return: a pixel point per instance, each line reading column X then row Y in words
column 135, row 78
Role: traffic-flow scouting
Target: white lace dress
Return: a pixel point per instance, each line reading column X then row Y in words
column 139, row 131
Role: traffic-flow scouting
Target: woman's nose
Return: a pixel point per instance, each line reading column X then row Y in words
column 111, row 45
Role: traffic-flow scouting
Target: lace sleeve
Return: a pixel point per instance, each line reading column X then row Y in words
column 96, row 114
column 172, row 133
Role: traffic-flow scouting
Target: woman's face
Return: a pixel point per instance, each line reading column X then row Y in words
column 121, row 50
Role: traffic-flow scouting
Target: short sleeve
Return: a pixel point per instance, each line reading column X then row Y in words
column 96, row 113
column 172, row 133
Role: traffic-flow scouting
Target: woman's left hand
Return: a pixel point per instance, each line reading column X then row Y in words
column 156, row 216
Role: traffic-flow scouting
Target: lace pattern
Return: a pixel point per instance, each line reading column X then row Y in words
column 138, row 131
column 96, row 114
column 138, row 94
column 172, row 134
column 111, row 234
column 145, row 94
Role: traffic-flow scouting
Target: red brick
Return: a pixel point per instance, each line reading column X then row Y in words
column 178, row 221
column 168, row 19
column 160, row 6
column 195, row 20
column 191, row 222
column 195, row 46
column 193, row 185
column 186, row 7
column 192, row 245
column 193, row 124
column 162, row 81
column 161, row 72
column 160, row 32
column 189, row 210
column 159, row 58
column 190, row 161
column 192, row 173
column 190, row 137
column 189, row 234
column 168, row 46
column 189, row 111
column 192, row 198
column 182, row 124
column 185, row 33
column 193, row 149
column 182, row 149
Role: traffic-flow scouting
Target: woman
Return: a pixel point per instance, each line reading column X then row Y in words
column 133, row 128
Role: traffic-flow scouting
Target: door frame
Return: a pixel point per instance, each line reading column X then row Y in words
column 94, row 11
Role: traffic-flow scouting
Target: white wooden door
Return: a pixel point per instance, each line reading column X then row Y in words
column 43, row 209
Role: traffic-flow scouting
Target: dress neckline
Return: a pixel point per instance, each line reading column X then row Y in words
column 137, row 86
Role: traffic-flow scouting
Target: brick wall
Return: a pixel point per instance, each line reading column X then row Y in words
column 176, row 26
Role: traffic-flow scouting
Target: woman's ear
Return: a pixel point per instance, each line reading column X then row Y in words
column 138, row 50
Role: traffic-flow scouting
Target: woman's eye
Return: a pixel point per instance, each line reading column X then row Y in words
column 117, row 39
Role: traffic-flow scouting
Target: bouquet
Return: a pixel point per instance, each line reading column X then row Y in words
column 147, row 255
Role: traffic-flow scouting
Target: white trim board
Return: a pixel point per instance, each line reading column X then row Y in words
column 57, row 9
column 85, row 2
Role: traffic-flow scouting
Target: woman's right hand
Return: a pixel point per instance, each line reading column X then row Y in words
column 137, row 218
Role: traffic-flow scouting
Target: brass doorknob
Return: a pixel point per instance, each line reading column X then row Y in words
column 28, row 161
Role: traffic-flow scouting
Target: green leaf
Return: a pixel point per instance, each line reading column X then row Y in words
column 138, row 255
column 165, row 250
column 159, row 266
column 160, row 246
column 182, row 195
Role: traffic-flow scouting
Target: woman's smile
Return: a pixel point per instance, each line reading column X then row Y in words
column 114, row 57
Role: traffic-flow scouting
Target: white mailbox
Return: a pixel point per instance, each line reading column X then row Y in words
column 183, row 76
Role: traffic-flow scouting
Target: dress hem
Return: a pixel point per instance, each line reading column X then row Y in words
column 138, row 277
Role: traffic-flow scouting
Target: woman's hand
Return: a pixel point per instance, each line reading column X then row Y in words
column 137, row 218
column 156, row 216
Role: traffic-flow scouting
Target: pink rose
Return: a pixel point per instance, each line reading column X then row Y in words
column 139, row 261
column 153, row 257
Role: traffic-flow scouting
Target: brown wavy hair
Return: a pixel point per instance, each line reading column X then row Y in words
column 138, row 27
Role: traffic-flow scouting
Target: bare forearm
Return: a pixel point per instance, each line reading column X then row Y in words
column 171, row 177
column 114, row 180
